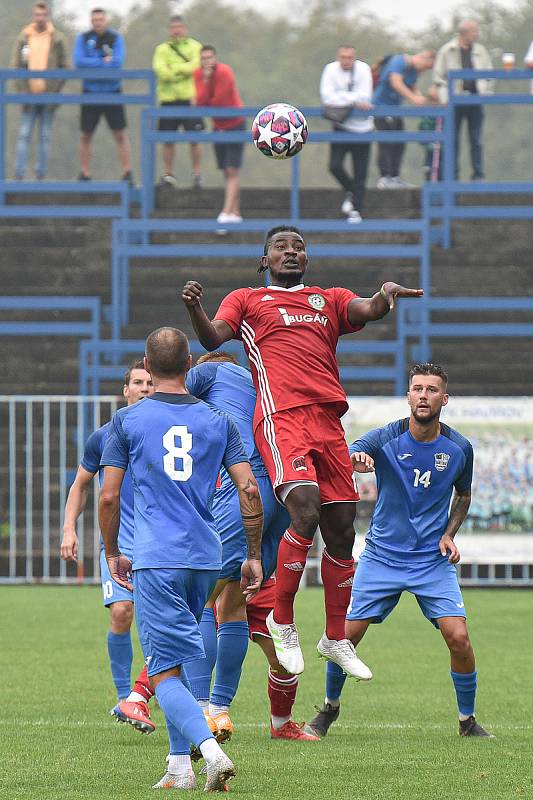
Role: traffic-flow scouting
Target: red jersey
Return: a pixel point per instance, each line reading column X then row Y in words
column 290, row 336
column 219, row 90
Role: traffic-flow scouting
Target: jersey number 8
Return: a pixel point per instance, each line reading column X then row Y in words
column 174, row 452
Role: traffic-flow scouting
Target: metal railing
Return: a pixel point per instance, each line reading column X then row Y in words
column 82, row 328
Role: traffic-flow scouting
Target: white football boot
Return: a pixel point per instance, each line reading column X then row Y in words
column 219, row 770
column 286, row 644
column 185, row 780
column 343, row 653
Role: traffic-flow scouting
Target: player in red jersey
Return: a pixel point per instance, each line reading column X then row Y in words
column 290, row 332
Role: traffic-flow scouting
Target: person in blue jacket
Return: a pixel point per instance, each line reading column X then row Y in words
column 103, row 48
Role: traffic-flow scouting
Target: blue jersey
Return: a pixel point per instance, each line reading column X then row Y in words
column 92, row 455
column 415, row 482
column 384, row 94
column 174, row 445
column 229, row 388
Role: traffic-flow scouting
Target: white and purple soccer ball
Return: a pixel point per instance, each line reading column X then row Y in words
column 279, row 131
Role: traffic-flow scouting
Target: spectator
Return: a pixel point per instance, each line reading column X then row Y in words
column 39, row 46
column 432, row 150
column 102, row 48
column 528, row 61
column 397, row 83
column 215, row 86
column 174, row 63
column 465, row 52
column 348, row 82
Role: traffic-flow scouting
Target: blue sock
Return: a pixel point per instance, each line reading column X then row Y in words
column 335, row 679
column 199, row 672
column 465, row 688
column 181, row 710
column 120, row 657
column 232, row 647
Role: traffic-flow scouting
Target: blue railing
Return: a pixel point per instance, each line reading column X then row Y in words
column 82, row 328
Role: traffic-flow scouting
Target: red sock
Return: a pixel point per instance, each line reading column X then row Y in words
column 292, row 554
column 282, row 694
column 337, row 577
column 142, row 685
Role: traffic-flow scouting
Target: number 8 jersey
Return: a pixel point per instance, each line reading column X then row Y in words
column 175, row 445
column 415, row 482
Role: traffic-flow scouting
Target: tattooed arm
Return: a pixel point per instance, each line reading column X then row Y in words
column 458, row 511
column 252, row 521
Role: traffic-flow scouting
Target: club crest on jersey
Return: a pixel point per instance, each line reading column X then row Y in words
column 441, row 461
column 317, row 301
column 299, row 464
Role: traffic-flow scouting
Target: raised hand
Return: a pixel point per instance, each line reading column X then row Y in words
column 390, row 291
column 191, row 293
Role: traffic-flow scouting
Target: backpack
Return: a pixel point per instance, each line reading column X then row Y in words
column 377, row 68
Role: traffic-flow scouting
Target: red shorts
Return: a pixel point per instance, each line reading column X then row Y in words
column 259, row 607
column 307, row 444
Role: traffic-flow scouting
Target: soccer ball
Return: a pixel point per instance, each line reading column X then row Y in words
column 279, row 131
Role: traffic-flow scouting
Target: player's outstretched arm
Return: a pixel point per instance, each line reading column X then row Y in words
column 458, row 511
column 109, row 520
column 252, row 520
column 369, row 309
column 211, row 334
column 75, row 505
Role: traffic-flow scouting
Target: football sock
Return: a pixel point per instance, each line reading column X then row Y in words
column 282, row 694
column 337, row 577
column 231, row 651
column 136, row 697
column 141, row 688
column 335, row 680
column 214, row 709
column 465, row 684
column 210, row 749
column 120, row 658
column 183, row 713
column 200, row 670
column 179, row 764
column 292, row 555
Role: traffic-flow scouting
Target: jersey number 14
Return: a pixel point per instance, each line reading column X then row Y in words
column 422, row 479
column 175, row 452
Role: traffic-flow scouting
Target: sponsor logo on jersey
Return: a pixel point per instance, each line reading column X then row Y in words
column 404, row 456
column 299, row 464
column 317, row 301
column 295, row 566
column 441, row 461
column 342, row 585
column 290, row 319
column 266, row 297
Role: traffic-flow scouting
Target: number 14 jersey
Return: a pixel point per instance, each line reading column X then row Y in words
column 175, row 445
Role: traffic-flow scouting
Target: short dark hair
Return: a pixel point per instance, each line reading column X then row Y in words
column 98, row 11
column 167, row 350
column 428, row 369
column 41, row 5
column 176, row 18
column 218, row 355
column 208, row 47
column 138, row 364
column 279, row 229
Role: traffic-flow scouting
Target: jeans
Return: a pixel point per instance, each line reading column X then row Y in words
column 474, row 118
column 390, row 154
column 28, row 119
column 359, row 153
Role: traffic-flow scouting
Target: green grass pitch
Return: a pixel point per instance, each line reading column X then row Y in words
column 396, row 737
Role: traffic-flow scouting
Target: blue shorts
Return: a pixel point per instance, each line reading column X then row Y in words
column 378, row 586
column 227, row 514
column 113, row 592
column 168, row 607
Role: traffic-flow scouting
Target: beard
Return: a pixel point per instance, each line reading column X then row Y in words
column 426, row 420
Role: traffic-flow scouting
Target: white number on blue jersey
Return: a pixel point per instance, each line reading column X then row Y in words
column 423, row 480
column 182, row 452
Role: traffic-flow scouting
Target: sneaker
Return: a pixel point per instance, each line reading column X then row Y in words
column 186, row 780
column 354, row 217
column 224, row 726
column 347, row 204
column 469, row 727
column 169, row 179
column 197, row 182
column 228, row 219
column 286, row 644
column 320, row 724
column 83, row 177
column 196, row 753
column 397, row 183
column 384, row 182
column 293, row 732
column 343, row 653
column 136, row 714
column 128, row 177
column 219, row 771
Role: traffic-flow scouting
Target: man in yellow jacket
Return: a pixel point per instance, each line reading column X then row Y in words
column 174, row 63
column 39, row 46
